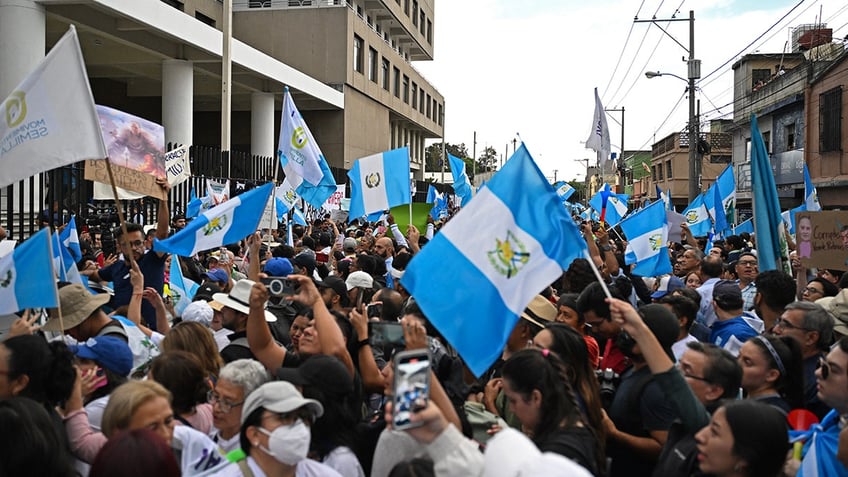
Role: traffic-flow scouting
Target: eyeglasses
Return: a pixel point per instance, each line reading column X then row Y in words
column 813, row 290
column 747, row 263
column 825, row 368
column 788, row 325
column 226, row 406
column 691, row 376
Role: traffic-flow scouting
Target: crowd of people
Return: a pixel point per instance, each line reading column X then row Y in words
column 275, row 368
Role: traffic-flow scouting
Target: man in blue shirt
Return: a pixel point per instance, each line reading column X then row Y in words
column 151, row 264
column 732, row 327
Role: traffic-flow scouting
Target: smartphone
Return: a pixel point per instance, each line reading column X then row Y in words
column 386, row 334
column 280, row 286
column 374, row 310
column 359, row 295
column 411, row 386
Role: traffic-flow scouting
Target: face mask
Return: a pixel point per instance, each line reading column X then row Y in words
column 288, row 444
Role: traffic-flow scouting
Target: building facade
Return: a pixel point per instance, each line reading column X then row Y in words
column 827, row 133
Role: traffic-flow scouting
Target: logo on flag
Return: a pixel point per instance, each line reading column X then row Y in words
column 299, row 140
column 656, row 241
column 506, row 259
column 215, row 225
column 692, row 217
column 372, row 180
column 16, row 109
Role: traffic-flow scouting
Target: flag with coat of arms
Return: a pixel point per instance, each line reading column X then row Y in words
column 25, row 276
column 647, row 239
column 182, row 289
column 698, row 218
column 513, row 240
column 227, row 223
column 379, row 182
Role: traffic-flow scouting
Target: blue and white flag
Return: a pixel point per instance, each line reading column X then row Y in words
column 182, row 289
column 289, row 234
column 811, row 197
column 197, row 205
column 432, row 194
column 26, row 276
column 719, row 218
column 789, row 217
column 65, row 267
column 304, row 164
column 298, row 217
column 287, row 194
column 612, row 207
column 227, row 223
column 647, row 239
column 767, row 221
column 564, row 190
column 664, row 197
column 461, row 184
column 70, row 239
column 440, row 207
column 379, row 182
column 513, row 240
column 725, row 183
column 746, row 226
column 697, row 217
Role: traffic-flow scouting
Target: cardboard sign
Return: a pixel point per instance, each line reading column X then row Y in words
column 136, row 150
column 177, row 165
column 821, row 239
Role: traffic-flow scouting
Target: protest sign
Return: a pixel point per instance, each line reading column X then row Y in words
column 822, row 239
column 334, row 202
column 177, row 165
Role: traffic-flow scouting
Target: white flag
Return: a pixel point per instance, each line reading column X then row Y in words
column 49, row 120
column 300, row 153
column 177, row 165
column 599, row 138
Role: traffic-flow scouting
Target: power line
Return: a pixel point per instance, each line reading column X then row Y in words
column 638, row 48
column 623, row 48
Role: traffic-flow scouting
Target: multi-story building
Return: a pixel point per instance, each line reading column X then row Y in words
column 669, row 162
column 827, row 132
column 347, row 63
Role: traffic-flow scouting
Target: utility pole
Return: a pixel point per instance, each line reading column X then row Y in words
column 694, row 72
column 555, row 173
column 621, row 155
column 226, row 85
column 474, row 157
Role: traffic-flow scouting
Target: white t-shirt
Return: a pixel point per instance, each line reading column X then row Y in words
column 198, row 454
column 345, row 462
column 305, row 468
column 95, row 412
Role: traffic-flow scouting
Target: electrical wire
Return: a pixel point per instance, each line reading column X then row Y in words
column 623, row 49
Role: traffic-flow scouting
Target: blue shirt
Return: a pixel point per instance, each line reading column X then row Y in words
column 152, row 266
column 732, row 334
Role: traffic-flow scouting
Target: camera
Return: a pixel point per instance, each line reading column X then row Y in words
column 608, row 381
column 280, row 286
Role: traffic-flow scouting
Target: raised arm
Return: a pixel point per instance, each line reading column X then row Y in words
column 259, row 338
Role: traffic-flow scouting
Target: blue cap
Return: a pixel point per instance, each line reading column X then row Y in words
column 217, row 275
column 667, row 285
column 278, row 267
column 109, row 352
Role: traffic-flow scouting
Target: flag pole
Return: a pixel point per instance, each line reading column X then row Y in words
column 413, row 179
column 597, row 273
column 59, row 302
column 120, row 211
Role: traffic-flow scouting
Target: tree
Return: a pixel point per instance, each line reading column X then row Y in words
column 488, row 159
column 433, row 156
column 579, row 190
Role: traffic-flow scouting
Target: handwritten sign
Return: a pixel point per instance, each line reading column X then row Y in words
column 334, row 202
column 822, row 239
column 177, row 165
column 125, row 178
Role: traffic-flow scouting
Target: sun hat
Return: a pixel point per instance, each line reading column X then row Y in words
column 238, row 299
column 77, row 305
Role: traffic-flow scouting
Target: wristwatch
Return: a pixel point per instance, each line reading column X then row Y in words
column 606, row 248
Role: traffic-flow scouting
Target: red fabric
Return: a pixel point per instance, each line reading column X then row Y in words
column 594, row 350
column 614, row 358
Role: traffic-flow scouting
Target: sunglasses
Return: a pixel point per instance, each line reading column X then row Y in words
column 824, row 366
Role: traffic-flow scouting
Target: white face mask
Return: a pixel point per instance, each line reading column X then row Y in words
column 288, row 444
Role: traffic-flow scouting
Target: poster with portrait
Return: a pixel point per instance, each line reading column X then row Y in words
column 821, row 239
column 136, row 150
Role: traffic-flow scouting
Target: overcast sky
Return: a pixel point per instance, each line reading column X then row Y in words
column 530, row 67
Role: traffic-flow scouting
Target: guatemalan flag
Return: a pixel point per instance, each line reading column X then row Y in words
column 70, row 239
column 379, row 182
column 432, row 194
column 227, row 223
column 647, row 238
column 25, row 276
column 182, row 289
column 697, row 217
column 461, row 184
column 512, row 241
column 724, row 187
column 63, row 262
column 564, row 190
column 612, row 207
column 811, row 197
column 301, row 158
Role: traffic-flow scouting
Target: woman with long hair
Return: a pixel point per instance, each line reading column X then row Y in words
column 196, row 339
column 180, row 373
column 570, row 346
column 772, row 371
column 537, row 386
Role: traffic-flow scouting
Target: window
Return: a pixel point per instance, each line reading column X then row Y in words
column 423, row 21
column 397, row 83
column 428, row 106
column 421, row 100
column 441, row 114
column 429, row 32
column 406, row 7
column 357, row 54
column 179, row 5
column 759, row 78
column 654, row 173
column 720, row 158
column 789, row 133
column 434, row 108
column 767, row 141
column 207, row 20
column 668, row 169
column 406, row 89
column 386, row 79
column 414, row 12
column 830, row 120
column 372, row 64
column 414, row 95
